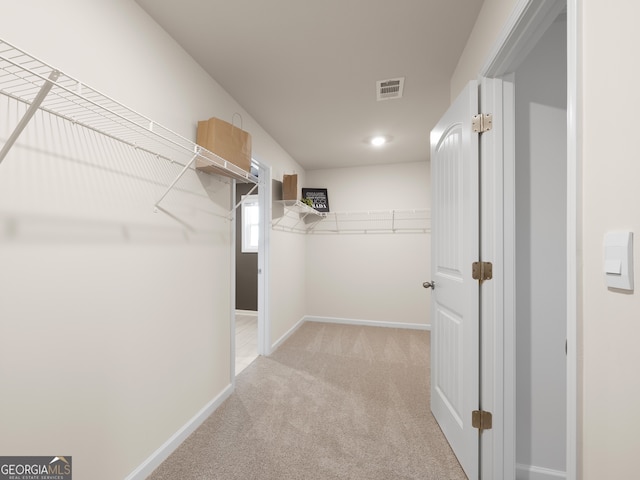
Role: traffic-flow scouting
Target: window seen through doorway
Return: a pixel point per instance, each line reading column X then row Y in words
column 250, row 223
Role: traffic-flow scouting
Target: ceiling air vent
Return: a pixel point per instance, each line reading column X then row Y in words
column 389, row 89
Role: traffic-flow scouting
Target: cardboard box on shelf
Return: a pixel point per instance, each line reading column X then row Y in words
column 290, row 187
column 227, row 141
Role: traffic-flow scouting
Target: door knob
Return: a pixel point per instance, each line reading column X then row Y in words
column 430, row 285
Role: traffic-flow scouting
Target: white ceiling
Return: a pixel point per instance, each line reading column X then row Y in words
column 307, row 70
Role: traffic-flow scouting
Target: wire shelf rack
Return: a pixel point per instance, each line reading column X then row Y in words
column 297, row 217
column 300, row 218
column 378, row 221
column 41, row 86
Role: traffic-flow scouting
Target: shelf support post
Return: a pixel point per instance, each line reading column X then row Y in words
column 35, row 104
column 245, row 195
column 182, row 172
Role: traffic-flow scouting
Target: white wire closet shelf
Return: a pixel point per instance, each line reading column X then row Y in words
column 297, row 219
column 41, row 86
column 375, row 221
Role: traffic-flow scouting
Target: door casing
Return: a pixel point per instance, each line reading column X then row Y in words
column 264, row 323
column 523, row 29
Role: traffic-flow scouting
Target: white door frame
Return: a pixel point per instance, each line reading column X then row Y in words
column 523, row 29
column 264, row 320
column 496, row 444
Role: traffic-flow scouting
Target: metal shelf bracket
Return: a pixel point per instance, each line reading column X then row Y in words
column 39, row 86
column 182, row 172
column 242, row 200
column 33, row 108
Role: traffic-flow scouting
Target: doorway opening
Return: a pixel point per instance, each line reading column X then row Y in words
column 540, row 171
column 536, row 171
column 247, row 236
column 251, row 234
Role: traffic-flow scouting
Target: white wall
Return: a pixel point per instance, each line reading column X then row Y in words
column 541, row 184
column 288, row 269
column 493, row 14
column 288, row 283
column 115, row 319
column 371, row 277
column 611, row 171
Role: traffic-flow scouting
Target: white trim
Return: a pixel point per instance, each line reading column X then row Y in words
column 264, row 242
column 289, row 332
column 232, row 284
column 574, row 193
column 368, row 323
column 509, row 270
column 347, row 321
column 494, row 386
column 523, row 29
column 252, row 313
column 531, row 472
column 162, row 453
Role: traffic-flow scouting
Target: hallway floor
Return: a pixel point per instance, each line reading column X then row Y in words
column 246, row 340
column 333, row 402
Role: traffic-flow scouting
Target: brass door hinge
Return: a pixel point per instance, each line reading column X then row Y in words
column 482, row 122
column 482, row 271
column 481, row 420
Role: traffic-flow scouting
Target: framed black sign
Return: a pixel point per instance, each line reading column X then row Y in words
column 318, row 197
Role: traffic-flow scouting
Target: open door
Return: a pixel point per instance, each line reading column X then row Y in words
column 455, row 302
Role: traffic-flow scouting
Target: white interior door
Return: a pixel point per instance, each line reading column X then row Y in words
column 455, row 300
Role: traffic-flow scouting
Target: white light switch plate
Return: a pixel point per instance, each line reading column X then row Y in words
column 618, row 260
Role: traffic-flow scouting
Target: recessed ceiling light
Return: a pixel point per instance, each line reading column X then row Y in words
column 378, row 141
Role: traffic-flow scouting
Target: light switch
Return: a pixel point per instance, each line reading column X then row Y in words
column 618, row 260
column 613, row 267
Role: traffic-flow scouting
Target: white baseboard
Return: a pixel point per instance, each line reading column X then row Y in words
column 531, row 472
column 347, row 321
column 161, row 454
column 247, row 312
column 281, row 340
column 368, row 323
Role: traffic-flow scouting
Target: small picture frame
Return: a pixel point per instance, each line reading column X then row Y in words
column 318, row 197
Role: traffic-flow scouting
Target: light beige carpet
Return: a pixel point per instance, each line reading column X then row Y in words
column 333, row 402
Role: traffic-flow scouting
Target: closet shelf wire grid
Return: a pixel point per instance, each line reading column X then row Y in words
column 33, row 82
column 364, row 222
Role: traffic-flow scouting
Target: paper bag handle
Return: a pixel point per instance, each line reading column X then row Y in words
column 233, row 119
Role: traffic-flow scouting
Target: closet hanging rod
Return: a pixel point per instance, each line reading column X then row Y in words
column 203, row 153
column 44, row 90
column 84, row 101
column 88, row 127
column 29, row 80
